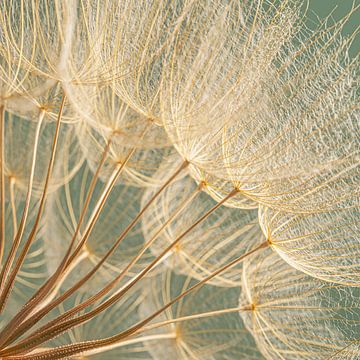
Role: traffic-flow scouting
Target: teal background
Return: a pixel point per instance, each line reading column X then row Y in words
column 339, row 9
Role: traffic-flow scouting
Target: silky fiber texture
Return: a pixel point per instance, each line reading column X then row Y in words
column 179, row 179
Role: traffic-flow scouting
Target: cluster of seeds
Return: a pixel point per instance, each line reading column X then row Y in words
column 179, row 179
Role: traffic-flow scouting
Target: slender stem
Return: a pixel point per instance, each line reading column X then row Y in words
column 30, row 239
column 16, row 242
column 137, row 340
column 138, row 326
column 85, row 207
column 13, row 205
column 110, row 286
column 60, row 281
column 336, row 353
column 58, row 326
column 160, row 230
column 81, row 347
column 155, row 337
column 36, row 317
column 36, row 299
column 99, row 206
column 7, row 335
column 65, row 263
column 2, row 182
column 192, row 317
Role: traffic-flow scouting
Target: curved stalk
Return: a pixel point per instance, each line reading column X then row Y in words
column 41, row 293
column 81, row 347
column 13, row 205
column 11, row 256
column 6, row 334
column 2, row 182
column 6, row 292
column 37, row 316
column 47, row 331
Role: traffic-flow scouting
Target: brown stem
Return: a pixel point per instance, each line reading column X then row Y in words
column 42, row 292
column 111, row 285
column 2, row 182
column 77, row 348
column 336, row 353
column 37, row 316
column 56, row 327
column 12, row 202
column 15, row 245
column 10, row 283
column 8, row 334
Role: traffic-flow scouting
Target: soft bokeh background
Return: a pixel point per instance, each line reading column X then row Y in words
column 338, row 9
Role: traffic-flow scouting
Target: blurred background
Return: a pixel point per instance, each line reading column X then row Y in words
column 338, row 9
